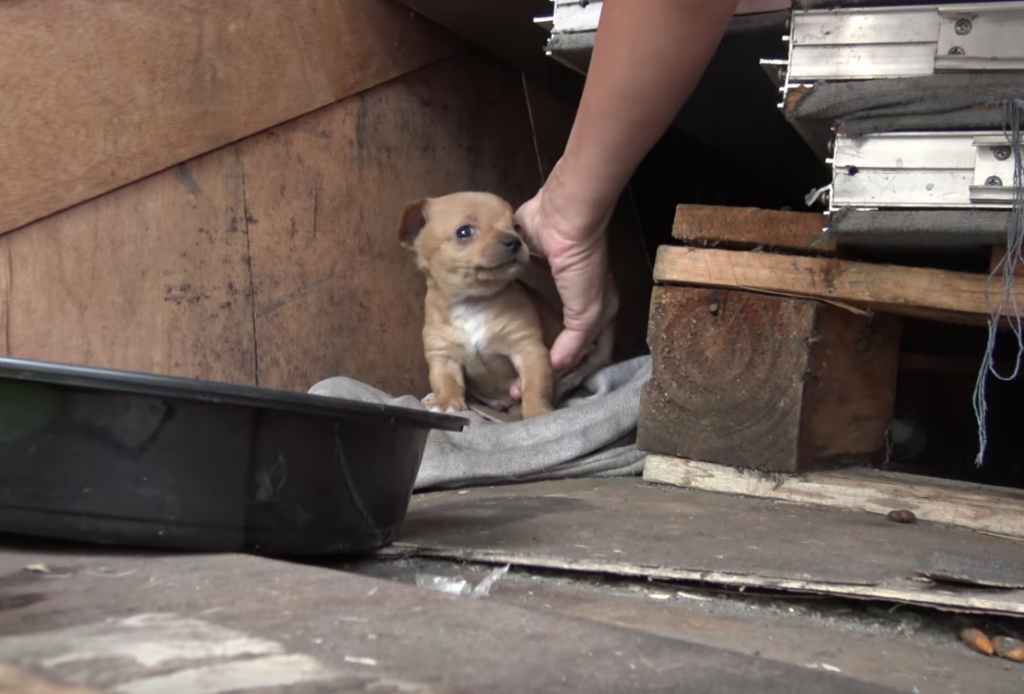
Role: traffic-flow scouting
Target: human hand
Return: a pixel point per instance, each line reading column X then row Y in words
column 578, row 256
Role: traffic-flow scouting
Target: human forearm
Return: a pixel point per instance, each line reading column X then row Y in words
column 648, row 57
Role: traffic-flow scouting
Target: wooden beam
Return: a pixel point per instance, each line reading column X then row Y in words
column 97, row 95
column 912, row 291
column 995, row 510
column 758, row 381
column 750, row 227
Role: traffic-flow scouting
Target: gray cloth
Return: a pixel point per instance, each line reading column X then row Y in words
column 920, row 228
column 932, row 102
column 592, row 434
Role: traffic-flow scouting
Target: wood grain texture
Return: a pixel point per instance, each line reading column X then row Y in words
column 749, row 227
column 990, row 509
column 97, row 95
column 336, row 295
column 767, row 383
column 728, row 540
column 850, row 387
column 152, row 277
column 939, row 294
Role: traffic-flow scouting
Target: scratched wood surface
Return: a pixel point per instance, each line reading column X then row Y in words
column 100, row 94
column 152, row 277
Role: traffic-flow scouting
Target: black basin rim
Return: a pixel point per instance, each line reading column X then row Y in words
column 154, row 385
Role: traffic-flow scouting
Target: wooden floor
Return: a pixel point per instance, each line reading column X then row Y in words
column 612, row 586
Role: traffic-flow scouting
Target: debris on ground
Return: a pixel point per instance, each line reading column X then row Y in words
column 1009, row 648
column 977, row 641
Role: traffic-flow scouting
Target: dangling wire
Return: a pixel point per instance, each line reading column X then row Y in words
column 1006, row 268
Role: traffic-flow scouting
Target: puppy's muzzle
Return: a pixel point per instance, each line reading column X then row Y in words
column 512, row 242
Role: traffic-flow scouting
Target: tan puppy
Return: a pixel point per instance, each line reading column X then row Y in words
column 482, row 328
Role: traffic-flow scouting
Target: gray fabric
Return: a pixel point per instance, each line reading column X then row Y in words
column 919, row 228
column 593, row 434
column 934, row 102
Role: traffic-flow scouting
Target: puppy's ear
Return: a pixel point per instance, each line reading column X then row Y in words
column 413, row 220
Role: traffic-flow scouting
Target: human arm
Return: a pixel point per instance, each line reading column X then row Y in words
column 648, row 57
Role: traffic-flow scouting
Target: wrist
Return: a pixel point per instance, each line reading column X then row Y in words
column 573, row 204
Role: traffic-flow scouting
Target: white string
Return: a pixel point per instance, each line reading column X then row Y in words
column 1006, row 269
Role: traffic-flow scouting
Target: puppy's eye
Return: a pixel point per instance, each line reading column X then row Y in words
column 518, row 228
column 464, row 232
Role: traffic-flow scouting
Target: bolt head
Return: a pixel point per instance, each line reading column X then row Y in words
column 956, row 50
column 994, row 181
column 963, row 26
column 1002, row 153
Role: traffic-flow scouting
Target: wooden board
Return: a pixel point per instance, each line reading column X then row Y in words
column 97, row 95
column 625, row 528
column 336, row 295
column 941, row 294
column 121, row 622
column 749, row 227
column 990, row 509
column 775, row 384
column 152, row 277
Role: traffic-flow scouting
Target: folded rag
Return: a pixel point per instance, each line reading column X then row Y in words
column 591, row 434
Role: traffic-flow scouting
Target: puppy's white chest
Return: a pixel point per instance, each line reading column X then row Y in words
column 474, row 323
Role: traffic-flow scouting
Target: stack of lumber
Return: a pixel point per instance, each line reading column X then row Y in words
column 772, row 351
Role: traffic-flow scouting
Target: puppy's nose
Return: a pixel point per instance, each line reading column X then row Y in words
column 513, row 243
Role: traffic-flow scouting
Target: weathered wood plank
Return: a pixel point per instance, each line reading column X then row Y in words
column 750, row 227
column 336, row 295
column 713, row 539
column 762, row 382
column 990, row 509
column 152, row 277
column 97, row 95
column 889, row 288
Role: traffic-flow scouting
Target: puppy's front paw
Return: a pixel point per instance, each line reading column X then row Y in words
column 442, row 404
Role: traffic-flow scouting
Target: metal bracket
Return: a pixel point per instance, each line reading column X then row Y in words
column 905, row 41
column 923, row 170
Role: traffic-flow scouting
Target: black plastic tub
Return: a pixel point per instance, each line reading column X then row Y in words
column 116, row 457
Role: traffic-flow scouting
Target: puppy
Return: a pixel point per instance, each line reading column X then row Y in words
column 483, row 326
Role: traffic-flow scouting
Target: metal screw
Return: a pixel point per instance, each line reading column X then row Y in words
column 963, row 26
column 782, row 73
column 994, row 181
column 1001, row 153
column 956, row 50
